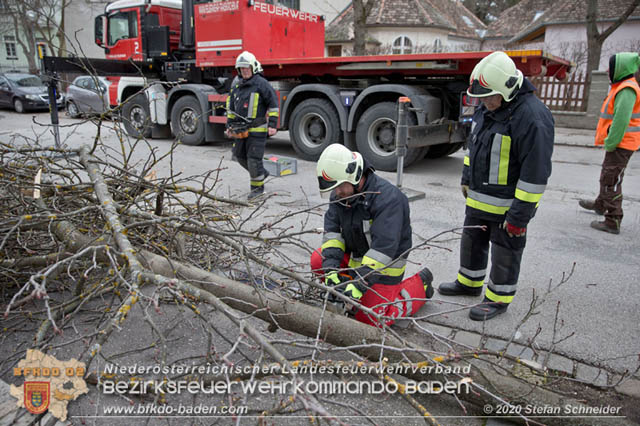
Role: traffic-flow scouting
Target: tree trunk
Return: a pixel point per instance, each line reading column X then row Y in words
column 359, row 28
column 595, row 39
column 339, row 330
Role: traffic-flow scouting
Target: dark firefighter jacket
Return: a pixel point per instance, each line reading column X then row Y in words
column 375, row 230
column 509, row 159
column 253, row 99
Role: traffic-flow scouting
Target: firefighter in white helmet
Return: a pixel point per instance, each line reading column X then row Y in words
column 252, row 115
column 504, row 176
column 367, row 239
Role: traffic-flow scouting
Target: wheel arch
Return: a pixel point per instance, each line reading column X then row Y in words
column 201, row 92
column 309, row 91
column 430, row 105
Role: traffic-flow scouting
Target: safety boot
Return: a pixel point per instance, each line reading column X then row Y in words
column 487, row 310
column 456, row 289
column 590, row 205
column 604, row 226
column 427, row 280
column 256, row 191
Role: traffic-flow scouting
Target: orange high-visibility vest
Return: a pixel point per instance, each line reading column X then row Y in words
column 631, row 138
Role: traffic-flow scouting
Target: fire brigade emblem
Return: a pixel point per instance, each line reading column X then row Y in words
column 36, row 397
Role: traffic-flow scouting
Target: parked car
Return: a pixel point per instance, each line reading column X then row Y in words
column 24, row 92
column 88, row 95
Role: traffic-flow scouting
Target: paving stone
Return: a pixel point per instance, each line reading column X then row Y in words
column 560, row 363
column 495, row 345
column 520, row 351
column 438, row 329
column 592, row 375
column 469, row 339
column 630, row 387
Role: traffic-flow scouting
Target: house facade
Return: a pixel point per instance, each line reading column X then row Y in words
column 560, row 28
column 408, row 26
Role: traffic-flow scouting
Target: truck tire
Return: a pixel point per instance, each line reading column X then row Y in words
column 187, row 122
column 314, row 126
column 136, row 116
column 376, row 137
column 443, row 149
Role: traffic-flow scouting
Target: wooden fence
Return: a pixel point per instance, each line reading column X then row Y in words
column 569, row 95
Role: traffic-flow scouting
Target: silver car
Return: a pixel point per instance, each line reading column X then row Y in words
column 88, row 95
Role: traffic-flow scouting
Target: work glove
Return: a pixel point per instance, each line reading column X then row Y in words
column 514, row 231
column 352, row 291
column 465, row 190
column 333, row 278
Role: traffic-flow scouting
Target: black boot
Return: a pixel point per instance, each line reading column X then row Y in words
column 427, row 280
column 256, row 191
column 606, row 227
column 456, row 289
column 487, row 310
column 590, row 205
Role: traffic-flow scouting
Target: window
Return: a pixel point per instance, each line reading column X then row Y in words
column 122, row 25
column 10, row 47
column 437, row 45
column 335, row 50
column 402, row 45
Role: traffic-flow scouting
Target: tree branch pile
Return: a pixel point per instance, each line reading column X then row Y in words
column 97, row 241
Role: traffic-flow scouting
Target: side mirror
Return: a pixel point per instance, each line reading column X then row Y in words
column 99, row 26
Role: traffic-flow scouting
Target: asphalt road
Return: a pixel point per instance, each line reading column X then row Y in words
column 598, row 303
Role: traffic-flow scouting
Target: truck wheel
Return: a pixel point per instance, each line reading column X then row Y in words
column 314, row 126
column 136, row 117
column 444, row 149
column 376, row 137
column 187, row 122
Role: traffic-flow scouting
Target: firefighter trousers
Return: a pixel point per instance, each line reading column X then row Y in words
column 506, row 254
column 248, row 153
column 610, row 198
column 391, row 301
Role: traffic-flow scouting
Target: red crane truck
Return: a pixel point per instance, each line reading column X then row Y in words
column 176, row 61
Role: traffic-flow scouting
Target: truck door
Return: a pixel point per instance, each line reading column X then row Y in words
column 123, row 35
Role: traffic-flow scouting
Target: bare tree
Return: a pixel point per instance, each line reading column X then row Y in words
column 361, row 11
column 595, row 38
column 35, row 20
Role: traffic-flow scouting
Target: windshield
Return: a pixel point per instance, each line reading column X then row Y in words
column 122, row 25
column 26, row 81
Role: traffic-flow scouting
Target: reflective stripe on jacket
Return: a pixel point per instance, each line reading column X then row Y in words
column 631, row 138
column 375, row 229
column 509, row 159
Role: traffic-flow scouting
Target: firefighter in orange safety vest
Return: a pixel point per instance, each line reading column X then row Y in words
column 619, row 131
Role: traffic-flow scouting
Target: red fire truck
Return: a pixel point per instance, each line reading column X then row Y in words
column 176, row 59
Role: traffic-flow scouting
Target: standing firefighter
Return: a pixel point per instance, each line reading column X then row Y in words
column 367, row 237
column 503, row 179
column 619, row 131
column 252, row 113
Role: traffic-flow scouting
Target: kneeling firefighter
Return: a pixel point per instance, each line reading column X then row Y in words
column 367, row 237
column 252, row 114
